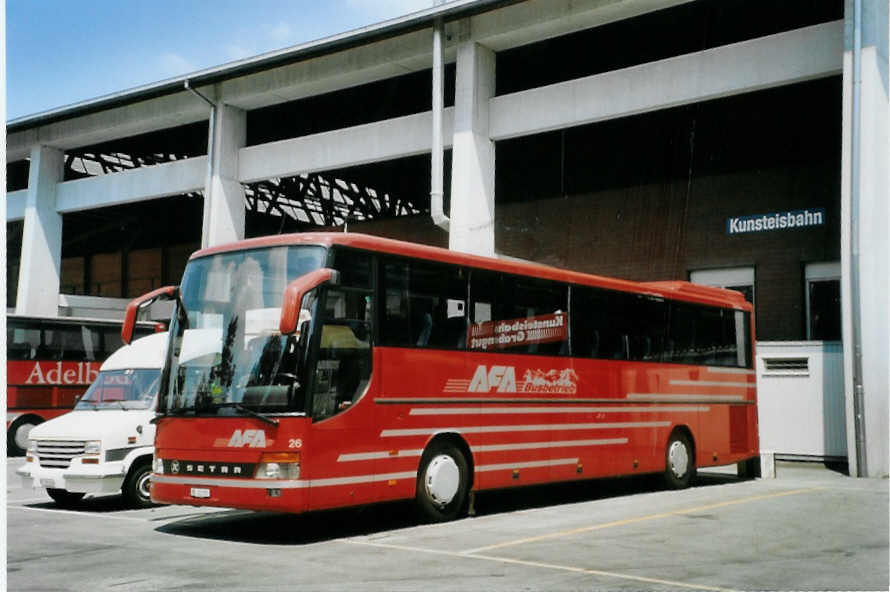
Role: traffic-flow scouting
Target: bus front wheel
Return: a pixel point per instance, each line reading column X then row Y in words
column 679, row 461
column 442, row 482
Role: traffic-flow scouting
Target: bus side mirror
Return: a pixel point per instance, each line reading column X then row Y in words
column 141, row 302
column 293, row 296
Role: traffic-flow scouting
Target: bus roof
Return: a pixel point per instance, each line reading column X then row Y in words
column 675, row 290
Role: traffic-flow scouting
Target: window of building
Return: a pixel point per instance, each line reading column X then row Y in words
column 740, row 279
column 823, row 301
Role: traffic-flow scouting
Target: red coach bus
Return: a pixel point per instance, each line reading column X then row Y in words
column 51, row 362
column 316, row 371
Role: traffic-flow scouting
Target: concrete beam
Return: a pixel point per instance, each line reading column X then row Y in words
column 121, row 122
column 865, row 217
column 472, row 170
column 15, row 205
column 372, row 142
column 224, row 195
column 41, row 261
column 528, row 22
column 809, row 53
column 353, row 67
column 172, row 178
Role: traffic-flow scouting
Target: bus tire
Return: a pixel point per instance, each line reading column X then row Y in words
column 442, row 482
column 679, row 461
column 137, row 486
column 65, row 498
column 17, row 437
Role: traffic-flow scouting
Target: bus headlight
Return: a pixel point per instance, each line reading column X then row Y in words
column 159, row 466
column 279, row 465
column 92, row 447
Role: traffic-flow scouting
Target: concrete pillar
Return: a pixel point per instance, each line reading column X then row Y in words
column 864, row 202
column 472, row 163
column 223, row 193
column 40, row 268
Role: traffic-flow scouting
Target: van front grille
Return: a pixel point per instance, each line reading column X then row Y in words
column 57, row 454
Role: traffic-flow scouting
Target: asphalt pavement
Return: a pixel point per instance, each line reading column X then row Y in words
column 812, row 528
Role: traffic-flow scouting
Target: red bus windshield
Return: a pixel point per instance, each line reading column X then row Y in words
column 230, row 352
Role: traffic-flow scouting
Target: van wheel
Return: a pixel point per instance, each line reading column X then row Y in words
column 442, row 483
column 65, row 498
column 679, row 461
column 137, row 487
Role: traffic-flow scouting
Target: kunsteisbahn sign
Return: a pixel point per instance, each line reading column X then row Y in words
column 776, row 221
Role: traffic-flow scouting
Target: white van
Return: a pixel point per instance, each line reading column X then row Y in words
column 106, row 443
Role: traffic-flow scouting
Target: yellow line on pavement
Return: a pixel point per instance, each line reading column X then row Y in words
column 637, row 519
column 538, row 564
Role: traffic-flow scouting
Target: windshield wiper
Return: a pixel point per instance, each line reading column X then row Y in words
column 246, row 411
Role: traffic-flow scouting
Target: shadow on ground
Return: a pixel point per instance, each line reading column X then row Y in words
column 97, row 505
column 287, row 529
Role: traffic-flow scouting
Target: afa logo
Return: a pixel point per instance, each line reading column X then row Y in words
column 503, row 378
column 251, row 438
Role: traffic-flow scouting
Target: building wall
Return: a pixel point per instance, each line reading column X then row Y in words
column 648, row 197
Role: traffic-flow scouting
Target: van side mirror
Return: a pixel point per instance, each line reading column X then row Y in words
column 293, row 296
column 141, row 302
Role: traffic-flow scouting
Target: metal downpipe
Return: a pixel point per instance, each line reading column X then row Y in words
column 856, row 312
column 437, row 169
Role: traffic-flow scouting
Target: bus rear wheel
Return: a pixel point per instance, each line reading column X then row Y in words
column 17, row 437
column 679, row 461
column 442, row 483
column 65, row 498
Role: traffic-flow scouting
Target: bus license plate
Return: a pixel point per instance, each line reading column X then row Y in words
column 200, row 492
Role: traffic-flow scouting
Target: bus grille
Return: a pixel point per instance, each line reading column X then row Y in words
column 58, row 454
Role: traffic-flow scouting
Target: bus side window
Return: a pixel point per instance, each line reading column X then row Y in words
column 22, row 342
column 425, row 305
column 343, row 369
column 518, row 314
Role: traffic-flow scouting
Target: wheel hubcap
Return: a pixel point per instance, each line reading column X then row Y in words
column 442, row 479
column 21, row 435
column 678, row 457
column 144, row 487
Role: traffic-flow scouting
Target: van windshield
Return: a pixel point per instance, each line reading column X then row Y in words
column 122, row 389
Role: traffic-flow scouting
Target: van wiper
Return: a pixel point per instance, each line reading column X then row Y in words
column 244, row 410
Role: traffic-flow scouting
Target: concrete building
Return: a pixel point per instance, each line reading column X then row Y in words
column 741, row 144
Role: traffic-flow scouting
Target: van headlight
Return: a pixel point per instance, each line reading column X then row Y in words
column 159, row 466
column 92, row 447
column 279, row 465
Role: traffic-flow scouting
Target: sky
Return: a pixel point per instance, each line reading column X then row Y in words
column 60, row 52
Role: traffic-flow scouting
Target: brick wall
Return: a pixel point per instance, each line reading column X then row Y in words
column 647, row 198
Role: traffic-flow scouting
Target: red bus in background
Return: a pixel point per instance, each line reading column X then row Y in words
column 49, row 363
column 315, row 371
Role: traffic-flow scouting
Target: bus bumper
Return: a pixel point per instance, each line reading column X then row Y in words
column 253, row 494
column 107, row 478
